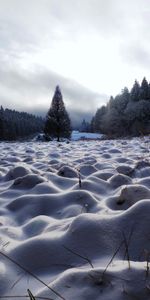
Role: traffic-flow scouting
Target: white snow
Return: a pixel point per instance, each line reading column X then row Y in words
column 76, row 135
column 66, row 234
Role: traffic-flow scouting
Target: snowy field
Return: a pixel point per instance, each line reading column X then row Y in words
column 86, row 241
column 76, row 135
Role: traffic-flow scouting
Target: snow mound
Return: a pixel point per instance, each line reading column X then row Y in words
column 67, row 171
column 16, row 172
column 28, row 181
column 75, row 215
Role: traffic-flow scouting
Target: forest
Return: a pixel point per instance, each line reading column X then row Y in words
column 15, row 125
column 127, row 114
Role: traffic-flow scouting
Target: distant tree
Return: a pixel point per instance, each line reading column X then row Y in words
column 138, row 117
column 85, row 126
column 110, row 103
column 149, row 91
column 99, row 119
column 1, row 123
column 125, row 97
column 14, row 124
column 135, row 92
column 57, row 123
column 92, row 127
column 144, row 91
column 128, row 113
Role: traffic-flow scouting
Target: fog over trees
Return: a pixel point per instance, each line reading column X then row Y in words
column 126, row 114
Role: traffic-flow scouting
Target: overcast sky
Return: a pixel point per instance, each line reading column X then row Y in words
column 91, row 48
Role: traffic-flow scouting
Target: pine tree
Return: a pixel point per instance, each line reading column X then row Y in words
column 98, row 119
column 1, row 123
column 149, row 91
column 144, row 93
column 83, row 126
column 57, row 123
column 92, row 125
column 135, row 92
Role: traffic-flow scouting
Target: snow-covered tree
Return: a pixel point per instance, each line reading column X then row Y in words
column 1, row 123
column 144, row 91
column 126, row 114
column 135, row 92
column 98, row 119
column 57, row 123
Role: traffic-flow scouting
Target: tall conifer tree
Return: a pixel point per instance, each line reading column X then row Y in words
column 144, row 94
column 57, row 123
column 135, row 92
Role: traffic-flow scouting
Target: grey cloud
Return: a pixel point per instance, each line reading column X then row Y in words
column 33, row 90
column 39, row 21
column 28, row 27
column 87, row 15
column 136, row 54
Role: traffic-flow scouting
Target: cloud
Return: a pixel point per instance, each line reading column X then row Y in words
column 39, row 22
column 89, row 47
column 33, row 91
column 136, row 54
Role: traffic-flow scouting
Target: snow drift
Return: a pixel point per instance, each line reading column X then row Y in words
column 85, row 240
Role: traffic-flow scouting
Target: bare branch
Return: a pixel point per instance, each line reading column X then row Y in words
column 81, row 256
column 116, row 251
column 25, row 296
column 32, row 274
column 126, row 243
column 30, row 295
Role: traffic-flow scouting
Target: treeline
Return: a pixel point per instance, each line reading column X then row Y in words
column 126, row 114
column 15, row 125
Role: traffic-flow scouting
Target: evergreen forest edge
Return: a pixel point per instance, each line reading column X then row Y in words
column 126, row 114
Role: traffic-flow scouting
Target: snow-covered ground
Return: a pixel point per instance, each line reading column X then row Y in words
column 86, row 242
column 76, row 135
